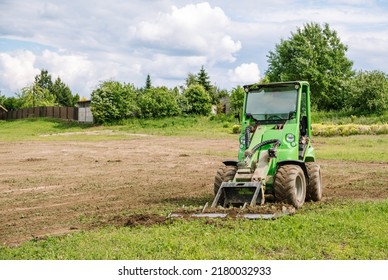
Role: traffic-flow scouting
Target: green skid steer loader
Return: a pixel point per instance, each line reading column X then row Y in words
column 275, row 156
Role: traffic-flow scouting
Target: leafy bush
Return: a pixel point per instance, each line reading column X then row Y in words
column 196, row 100
column 236, row 129
column 113, row 101
column 158, row 102
column 237, row 99
column 368, row 92
column 35, row 96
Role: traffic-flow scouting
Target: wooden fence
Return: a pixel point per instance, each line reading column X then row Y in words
column 67, row 113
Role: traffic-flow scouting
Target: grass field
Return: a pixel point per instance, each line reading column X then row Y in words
column 37, row 129
column 340, row 230
column 372, row 148
column 336, row 228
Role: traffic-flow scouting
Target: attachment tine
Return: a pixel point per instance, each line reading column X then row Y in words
column 218, row 195
column 243, row 208
column 204, row 207
column 262, row 195
column 259, row 189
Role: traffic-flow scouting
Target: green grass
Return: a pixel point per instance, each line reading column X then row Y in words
column 33, row 128
column 197, row 127
column 47, row 129
column 373, row 148
column 340, row 230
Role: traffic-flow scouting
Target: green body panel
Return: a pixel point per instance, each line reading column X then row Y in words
column 287, row 150
column 310, row 154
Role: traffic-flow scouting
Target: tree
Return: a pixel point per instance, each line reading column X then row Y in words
column 2, row 98
column 264, row 80
column 148, row 82
column 237, row 99
column 113, row 101
column 44, row 80
column 39, row 93
column 35, row 96
column 63, row 94
column 191, row 80
column 204, row 79
column 196, row 100
column 158, row 102
column 315, row 54
column 10, row 103
column 368, row 92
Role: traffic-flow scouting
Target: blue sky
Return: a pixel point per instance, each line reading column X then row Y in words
column 89, row 41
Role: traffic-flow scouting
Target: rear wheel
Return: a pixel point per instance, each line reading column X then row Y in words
column 314, row 188
column 224, row 174
column 290, row 185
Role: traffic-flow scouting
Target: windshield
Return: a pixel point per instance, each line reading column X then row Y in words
column 268, row 104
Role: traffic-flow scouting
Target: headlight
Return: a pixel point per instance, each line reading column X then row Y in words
column 290, row 137
column 242, row 140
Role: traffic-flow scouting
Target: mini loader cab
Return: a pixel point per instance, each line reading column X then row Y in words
column 275, row 154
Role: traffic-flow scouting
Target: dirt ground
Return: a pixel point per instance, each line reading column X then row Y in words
column 56, row 187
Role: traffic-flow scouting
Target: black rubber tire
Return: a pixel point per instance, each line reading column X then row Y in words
column 314, row 189
column 290, row 185
column 224, row 174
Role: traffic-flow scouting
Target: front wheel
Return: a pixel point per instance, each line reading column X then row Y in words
column 224, row 174
column 290, row 185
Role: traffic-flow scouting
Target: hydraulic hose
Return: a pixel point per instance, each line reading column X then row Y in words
column 247, row 136
column 258, row 146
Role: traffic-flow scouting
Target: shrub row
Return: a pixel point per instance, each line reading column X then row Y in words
column 114, row 101
column 348, row 129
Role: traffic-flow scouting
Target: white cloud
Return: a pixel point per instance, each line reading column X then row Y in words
column 245, row 73
column 17, row 69
column 66, row 65
column 174, row 66
column 351, row 2
column 192, row 30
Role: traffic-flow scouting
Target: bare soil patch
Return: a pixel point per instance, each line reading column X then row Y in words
column 56, row 187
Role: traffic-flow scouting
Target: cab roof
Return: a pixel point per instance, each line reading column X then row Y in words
column 277, row 84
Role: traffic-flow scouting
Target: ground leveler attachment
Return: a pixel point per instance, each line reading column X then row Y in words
column 247, row 189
